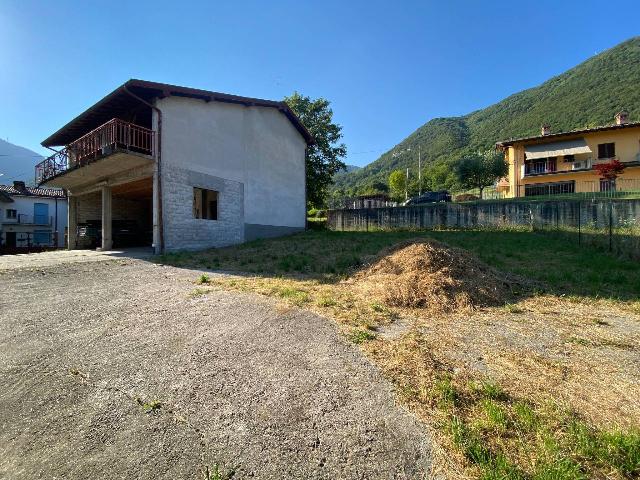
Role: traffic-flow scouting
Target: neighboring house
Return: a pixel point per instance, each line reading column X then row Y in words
column 31, row 217
column 554, row 163
column 179, row 168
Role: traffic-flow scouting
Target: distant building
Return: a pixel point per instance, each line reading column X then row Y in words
column 555, row 163
column 377, row 200
column 31, row 218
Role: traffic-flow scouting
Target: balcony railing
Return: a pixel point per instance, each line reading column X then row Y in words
column 26, row 219
column 114, row 135
column 536, row 169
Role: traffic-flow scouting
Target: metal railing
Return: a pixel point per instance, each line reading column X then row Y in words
column 100, row 142
column 24, row 240
column 587, row 189
column 26, row 219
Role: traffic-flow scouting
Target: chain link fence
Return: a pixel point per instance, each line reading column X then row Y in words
column 609, row 224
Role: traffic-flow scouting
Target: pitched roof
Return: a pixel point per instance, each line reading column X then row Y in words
column 551, row 136
column 5, row 198
column 33, row 192
column 120, row 101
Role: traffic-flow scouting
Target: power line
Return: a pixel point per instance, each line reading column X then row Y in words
column 367, row 151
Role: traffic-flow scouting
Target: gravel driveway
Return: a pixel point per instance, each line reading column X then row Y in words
column 114, row 369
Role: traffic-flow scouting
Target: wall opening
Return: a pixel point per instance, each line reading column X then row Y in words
column 131, row 216
column 205, row 204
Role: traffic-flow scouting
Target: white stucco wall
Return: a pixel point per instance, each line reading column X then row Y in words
column 256, row 147
column 24, row 206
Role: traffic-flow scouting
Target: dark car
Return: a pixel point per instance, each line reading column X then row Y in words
column 430, row 197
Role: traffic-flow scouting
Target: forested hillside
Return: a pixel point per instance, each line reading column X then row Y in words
column 587, row 95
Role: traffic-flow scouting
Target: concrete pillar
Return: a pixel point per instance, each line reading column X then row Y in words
column 107, row 241
column 72, row 222
column 156, row 213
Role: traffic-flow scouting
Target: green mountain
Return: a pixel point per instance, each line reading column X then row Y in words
column 585, row 96
column 17, row 163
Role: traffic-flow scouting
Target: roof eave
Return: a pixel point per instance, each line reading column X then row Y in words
column 175, row 90
column 508, row 143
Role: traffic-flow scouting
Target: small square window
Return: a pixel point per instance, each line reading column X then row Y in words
column 606, row 150
column 205, row 204
column 11, row 213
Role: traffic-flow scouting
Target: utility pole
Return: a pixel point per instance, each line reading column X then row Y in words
column 419, row 170
column 406, row 186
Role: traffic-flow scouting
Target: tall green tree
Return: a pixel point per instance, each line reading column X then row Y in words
column 398, row 184
column 479, row 170
column 440, row 176
column 324, row 159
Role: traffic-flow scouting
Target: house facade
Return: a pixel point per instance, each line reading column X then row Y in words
column 178, row 168
column 31, row 218
column 550, row 164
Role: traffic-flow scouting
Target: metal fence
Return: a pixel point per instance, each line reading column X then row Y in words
column 21, row 242
column 609, row 224
column 559, row 189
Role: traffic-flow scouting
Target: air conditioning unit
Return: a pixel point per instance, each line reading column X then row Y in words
column 583, row 165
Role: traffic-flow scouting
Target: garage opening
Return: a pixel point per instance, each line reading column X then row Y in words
column 132, row 212
column 131, row 216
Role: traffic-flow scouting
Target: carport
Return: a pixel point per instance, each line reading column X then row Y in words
column 118, row 216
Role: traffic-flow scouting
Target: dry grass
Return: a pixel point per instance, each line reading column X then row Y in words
column 513, row 383
column 431, row 276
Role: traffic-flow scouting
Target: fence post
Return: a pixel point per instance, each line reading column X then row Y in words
column 579, row 222
column 531, row 220
column 610, row 225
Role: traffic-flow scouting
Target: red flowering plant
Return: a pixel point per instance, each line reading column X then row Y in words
column 609, row 170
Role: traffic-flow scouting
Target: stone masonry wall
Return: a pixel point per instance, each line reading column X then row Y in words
column 181, row 230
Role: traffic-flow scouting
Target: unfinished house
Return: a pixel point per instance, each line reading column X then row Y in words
column 178, row 169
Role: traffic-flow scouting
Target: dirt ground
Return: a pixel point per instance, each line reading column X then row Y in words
column 120, row 369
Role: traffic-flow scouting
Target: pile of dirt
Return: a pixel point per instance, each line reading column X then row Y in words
column 436, row 277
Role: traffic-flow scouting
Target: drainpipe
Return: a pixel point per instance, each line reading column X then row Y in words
column 55, row 229
column 158, row 161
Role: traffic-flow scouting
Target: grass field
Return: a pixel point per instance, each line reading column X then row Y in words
column 544, row 387
column 564, row 267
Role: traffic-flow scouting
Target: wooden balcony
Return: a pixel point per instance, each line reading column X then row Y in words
column 113, row 139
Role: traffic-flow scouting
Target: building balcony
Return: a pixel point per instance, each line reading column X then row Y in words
column 578, row 165
column 112, row 147
column 22, row 219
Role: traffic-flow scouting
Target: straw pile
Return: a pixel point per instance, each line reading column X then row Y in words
column 430, row 275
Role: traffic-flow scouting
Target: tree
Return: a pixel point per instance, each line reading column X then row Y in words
column 398, row 184
column 479, row 170
column 324, row 159
column 609, row 171
column 373, row 188
column 440, row 176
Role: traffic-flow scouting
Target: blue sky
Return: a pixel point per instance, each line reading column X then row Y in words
column 387, row 67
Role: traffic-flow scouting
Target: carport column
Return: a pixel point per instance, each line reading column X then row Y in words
column 72, row 222
column 107, row 241
column 156, row 213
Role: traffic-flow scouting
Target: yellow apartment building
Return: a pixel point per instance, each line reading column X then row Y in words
column 556, row 163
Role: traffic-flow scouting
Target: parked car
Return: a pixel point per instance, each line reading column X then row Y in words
column 430, row 197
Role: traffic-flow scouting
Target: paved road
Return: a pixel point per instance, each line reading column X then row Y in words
column 111, row 369
column 65, row 257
